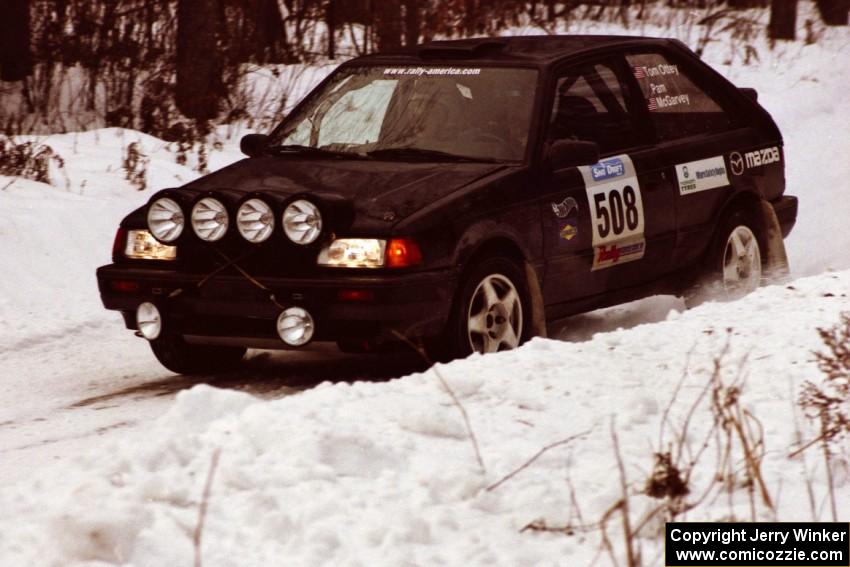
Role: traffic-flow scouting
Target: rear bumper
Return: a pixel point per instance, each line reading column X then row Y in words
column 786, row 212
column 230, row 307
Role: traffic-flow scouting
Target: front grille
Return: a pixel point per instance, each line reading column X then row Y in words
column 273, row 258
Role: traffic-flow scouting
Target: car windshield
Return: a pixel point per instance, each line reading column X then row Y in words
column 409, row 113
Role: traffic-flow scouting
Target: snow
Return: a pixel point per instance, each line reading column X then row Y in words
column 105, row 455
column 384, row 473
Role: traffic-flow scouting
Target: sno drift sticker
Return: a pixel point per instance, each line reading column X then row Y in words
column 607, row 169
column 701, row 175
column 616, row 212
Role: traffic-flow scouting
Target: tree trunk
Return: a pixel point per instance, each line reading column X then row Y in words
column 387, row 23
column 330, row 22
column 834, row 12
column 15, row 54
column 783, row 19
column 199, row 65
column 412, row 22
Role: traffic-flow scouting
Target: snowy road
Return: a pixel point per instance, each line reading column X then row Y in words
column 64, row 389
column 96, row 380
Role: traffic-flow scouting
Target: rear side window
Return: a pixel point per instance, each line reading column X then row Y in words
column 589, row 106
column 677, row 107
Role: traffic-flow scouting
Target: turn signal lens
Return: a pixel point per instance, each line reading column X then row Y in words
column 403, row 252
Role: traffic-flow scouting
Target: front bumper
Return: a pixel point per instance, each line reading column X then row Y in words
column 231, row 307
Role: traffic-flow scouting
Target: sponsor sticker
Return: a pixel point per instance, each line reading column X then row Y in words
column 756, row 158
column 616, row 211
column 432, row 71
column 568, row 231
column 563, row 209
column 701, row 175
column 762, row 157
column 567, row 213
column 607, row 169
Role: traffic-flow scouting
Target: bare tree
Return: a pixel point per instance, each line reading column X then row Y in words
column 783, row 19
column 387, row 17
column 15, row 54
column 412, row 21
column 199, row 65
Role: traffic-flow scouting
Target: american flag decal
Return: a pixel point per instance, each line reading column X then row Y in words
column 653, row 104
column 640, row 72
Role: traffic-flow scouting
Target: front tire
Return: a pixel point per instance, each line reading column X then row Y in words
column 183, row 358
column 491, row 312
column 735, row 262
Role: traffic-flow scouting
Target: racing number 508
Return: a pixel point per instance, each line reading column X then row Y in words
column 613, row 214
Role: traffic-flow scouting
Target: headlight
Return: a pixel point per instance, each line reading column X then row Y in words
column 165, row 220
column 255, row 220
column 353, row 253
column 210, row 219
column 302, row 222
column 141, row 245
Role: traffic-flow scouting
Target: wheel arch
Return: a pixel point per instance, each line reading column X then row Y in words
column 487, row 240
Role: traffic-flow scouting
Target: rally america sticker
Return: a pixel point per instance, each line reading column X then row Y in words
column 701, row 175
column 616, row 211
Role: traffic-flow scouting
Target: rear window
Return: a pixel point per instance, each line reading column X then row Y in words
column 677, row 106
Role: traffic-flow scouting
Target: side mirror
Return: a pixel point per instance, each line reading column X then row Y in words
column 570, row 153
column 253, row 145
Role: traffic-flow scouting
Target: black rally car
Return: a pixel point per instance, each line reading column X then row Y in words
column 461, row 195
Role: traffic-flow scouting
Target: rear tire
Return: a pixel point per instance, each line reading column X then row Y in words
column 183, row 358
column 735, row 262
column 491, row 312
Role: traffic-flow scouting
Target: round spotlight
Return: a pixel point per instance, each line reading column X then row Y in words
column 255, row 220
column 302, row 222
column 210, row 219
column 165, row 220
column 148, row 320
column 295, row 326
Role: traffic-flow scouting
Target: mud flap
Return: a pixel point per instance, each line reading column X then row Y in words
column 538, row 314
column 776, row 263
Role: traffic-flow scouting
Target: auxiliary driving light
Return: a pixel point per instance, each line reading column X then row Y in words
column 166, row 220
column 255, row 220
column 295, row 326
column 148, row 320
column 210, row 219
column 302, row 222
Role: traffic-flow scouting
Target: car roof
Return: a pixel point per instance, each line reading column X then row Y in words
column 541, row 49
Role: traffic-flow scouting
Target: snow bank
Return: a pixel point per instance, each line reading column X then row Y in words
column 385, row 474
column 54, row 237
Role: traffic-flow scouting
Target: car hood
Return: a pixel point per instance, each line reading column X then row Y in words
column 379, row 190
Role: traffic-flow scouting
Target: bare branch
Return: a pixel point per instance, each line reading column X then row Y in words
column 202, row 509
column 536, row 456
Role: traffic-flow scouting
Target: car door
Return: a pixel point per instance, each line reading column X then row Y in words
column 700, row 142
column 608, row 225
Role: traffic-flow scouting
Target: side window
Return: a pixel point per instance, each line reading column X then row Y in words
column 589, row 106
column 677, row 107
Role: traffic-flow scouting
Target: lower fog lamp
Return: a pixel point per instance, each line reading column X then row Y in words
column 295, row 326
column 149, row 320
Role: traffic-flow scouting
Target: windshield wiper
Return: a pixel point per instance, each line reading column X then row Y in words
column 311, row 150
column 422, row 154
